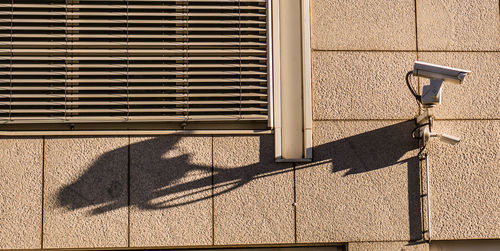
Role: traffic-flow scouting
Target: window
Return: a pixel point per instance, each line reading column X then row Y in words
column 157, row 66
column 136, row 64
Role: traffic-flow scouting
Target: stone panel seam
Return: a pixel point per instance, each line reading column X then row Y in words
column 128, row 192
column 213, row 191
column 294, row 205
column 405, row 119
column 361, row 120
column 43, row 190
column 465, row 51
column 353, row 50
column 416, row 45
column 416, row 26
column 466, row 119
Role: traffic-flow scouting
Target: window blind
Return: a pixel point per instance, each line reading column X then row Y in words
column 89, row 61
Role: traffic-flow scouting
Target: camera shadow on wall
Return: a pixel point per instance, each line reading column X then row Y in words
column 163, row 175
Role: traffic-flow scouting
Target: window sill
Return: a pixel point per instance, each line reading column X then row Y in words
column 135, row 132
column 280, row 160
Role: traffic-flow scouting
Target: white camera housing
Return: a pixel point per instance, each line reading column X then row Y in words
column 448, row 139
column 434, row 71
column 431, row 94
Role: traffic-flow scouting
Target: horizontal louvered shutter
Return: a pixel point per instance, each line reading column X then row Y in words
column 89, row 61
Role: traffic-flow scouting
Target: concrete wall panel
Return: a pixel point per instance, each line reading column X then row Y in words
column 458, row 25
column 20, row 193
column 86, row 191
column 465, row 245
column 465, row 188
column 477, row 97
column 363, row 184
column 253, row 194
column 171, row 189
column 363, row 25
column 362, row 85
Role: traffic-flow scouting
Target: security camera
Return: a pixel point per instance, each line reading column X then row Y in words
column 439, row 72
column 449, row 139
column 431, row 94
column 426, row 134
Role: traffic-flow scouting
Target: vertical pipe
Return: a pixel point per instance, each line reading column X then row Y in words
column 306, row 81
column 270, row 69
column 292, row 141
column 428, row 198
column 276, row 52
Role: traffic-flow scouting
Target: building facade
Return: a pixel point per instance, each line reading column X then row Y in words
column 365, row 188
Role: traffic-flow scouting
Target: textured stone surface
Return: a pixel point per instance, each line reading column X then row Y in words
column 253, row 194
column 86, row 192
column 363, row 25
column 478, row 96
column 20, row 193
column 465, row 188
column 387, row 246
column 470, row 25
column 362, row 85
column 171, row 188
column 363, row 184
column 466, row 245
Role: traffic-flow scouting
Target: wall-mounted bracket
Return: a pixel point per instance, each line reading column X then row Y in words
column 425, row 121
column 431, row 94
column 425, row 117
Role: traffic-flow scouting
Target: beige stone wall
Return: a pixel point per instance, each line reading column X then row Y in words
column 167, row 191
column 363, row 186
column 368, row 188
